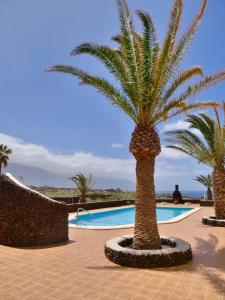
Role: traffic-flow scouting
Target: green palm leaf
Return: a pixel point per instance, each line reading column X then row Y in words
column 177, row 107
column 205, row 180
column 149, row 45
column 129, row 45
column 205, row 125
column 182, row 78
column 102, row 85
column 184, row 43
column 209, row 147
column 84, row 184
column 145, row 71
column 167, row 48
column 4, row 155
column 207, row 82
column 189, row 143
column 115, row 64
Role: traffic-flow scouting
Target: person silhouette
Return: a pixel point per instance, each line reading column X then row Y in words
column 177, row 196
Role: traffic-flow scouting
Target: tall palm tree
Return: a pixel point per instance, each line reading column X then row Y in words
column 84, row 184
column 208, row 149
column 148, row 77
column 4, row 156
column 207, row 182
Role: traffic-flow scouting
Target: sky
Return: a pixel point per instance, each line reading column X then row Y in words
column 56, row 125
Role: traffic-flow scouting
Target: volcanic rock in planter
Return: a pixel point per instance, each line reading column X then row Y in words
column 174, row 252
column 212, row 221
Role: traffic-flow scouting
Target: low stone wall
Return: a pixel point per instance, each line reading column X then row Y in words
column 105, row 204
column 67, row 200
column 75, row 199
column 174, row 252
column 28, row 218
column 185, row 200
column 207, row 203
column 212, row 221
column 96, row 205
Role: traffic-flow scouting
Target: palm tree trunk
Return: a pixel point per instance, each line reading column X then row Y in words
column 209, row 194
column 145, row 146
column 146, row 234
column 82, row 198
column 219, row 193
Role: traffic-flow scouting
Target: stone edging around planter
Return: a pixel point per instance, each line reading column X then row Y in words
column 212, row 221
column 117, row 251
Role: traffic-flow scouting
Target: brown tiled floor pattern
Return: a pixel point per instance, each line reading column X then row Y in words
column 79, row 270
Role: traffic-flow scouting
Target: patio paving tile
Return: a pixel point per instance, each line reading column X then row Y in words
column 79, row 270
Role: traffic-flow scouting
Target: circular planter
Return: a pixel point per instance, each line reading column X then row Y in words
column 174, row 252
column 212, row 221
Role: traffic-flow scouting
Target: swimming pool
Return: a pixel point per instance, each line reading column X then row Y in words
column 124, row 217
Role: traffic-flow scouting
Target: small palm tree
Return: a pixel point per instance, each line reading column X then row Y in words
column 206, row 181
column 4, row 156
column 208, row 149
column 84, row 185
column 149, row 79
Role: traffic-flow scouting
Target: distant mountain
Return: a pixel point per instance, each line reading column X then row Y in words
column 38, row 177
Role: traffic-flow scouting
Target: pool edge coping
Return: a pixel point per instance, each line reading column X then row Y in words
column 173, row 220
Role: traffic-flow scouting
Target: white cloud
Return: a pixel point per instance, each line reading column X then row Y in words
column 165, row 169
column 176, row 126
column 170, row 153
column 67, row 164
column 40, row 156
column 114, row 145
column 181, row 125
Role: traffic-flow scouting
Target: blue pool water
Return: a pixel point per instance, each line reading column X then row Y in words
column 124, row 216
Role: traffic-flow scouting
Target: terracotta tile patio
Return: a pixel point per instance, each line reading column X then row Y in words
column 79, row 269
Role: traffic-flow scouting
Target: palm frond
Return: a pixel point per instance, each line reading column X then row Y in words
column 189, row 143
column 108, row 56
column 182, row 78
column 167, row 48
column 209, row 147
column 4, row 154
column 207, row 82
column 185, row 42
column 84, row 183
column 150, row 46
column 205, row 180
column 147, row 90
column 129, row 46
column 205, row 125
column 177, row 107
column 113, row 62
column 102, row 85
column 116, row 38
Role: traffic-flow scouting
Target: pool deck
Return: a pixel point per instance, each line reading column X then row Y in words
column 79, row 270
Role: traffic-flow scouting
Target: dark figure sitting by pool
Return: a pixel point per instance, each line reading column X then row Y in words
column 177, row 196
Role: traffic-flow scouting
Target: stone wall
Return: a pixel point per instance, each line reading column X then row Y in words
column 96, row 205
column 105, row 204
column 66, row 200
column 27, row 218
column 206, row 203
column 185, row 200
